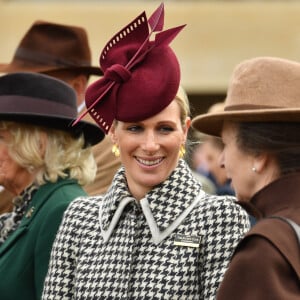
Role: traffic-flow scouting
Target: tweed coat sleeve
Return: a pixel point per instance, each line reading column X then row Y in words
column 224, row 224
column 65, row 250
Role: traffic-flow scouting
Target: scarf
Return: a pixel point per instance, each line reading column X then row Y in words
column 10, row 221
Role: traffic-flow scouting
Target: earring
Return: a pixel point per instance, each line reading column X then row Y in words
column 115, row 150
column 181, row 151
column 254, row 169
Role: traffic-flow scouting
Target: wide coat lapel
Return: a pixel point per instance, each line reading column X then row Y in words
column 165, row 207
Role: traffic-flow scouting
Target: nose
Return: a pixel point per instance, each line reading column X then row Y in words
column 150, row 143
column 221, row 160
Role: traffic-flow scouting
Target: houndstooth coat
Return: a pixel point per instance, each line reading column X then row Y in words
column 175, row 243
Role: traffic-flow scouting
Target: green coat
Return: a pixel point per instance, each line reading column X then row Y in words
column 24, row 256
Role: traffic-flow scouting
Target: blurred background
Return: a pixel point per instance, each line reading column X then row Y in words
column 218, row 35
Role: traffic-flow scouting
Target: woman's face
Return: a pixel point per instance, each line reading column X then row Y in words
column 12, row 176
column 149, row 150
column 238, row 164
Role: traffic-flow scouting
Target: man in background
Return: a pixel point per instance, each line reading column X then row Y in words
column 62, row 51
column 205, row 158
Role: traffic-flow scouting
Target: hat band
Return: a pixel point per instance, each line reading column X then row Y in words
column 15, row 104
column 47, row 59
column 249, row 107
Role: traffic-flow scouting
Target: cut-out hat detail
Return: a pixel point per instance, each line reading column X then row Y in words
column 141, row 76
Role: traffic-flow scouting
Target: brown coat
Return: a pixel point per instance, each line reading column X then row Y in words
column 266, row 264
column 107, row 165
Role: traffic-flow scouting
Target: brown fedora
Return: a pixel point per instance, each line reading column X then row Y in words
column 262, row 89
column 48, row 47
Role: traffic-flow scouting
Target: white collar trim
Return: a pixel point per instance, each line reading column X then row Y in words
column 157, row 235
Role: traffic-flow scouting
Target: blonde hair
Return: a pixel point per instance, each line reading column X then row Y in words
column 50, row 153
column 183, row 101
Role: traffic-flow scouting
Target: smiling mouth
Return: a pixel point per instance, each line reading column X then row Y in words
column 149, row 163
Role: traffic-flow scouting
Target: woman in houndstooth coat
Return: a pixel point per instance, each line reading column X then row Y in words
column 155, row 234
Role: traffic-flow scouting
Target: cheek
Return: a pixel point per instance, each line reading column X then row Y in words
column 230, row 163
column 127, row 145
column 127, row 142
column 4, row 156
column 173, row 145
column 8, row 167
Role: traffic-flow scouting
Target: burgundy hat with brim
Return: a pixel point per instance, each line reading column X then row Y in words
column 39, row 99
column 262, row 89
column 47, row 47
column 141, row 76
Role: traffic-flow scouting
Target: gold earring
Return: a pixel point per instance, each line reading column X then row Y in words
column 115, row 150
column 181, row 151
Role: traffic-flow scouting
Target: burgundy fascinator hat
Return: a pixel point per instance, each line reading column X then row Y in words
column 141, row 76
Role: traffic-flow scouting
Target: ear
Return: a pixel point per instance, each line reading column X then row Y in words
column 260, row 162
column 186, row 127
column 43, row 142
column 79, row 83
column 112, row 133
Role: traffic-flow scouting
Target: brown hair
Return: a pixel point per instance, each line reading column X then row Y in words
column 279, row 139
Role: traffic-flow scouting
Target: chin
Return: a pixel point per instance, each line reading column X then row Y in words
column 152, row 182
column 241, row 197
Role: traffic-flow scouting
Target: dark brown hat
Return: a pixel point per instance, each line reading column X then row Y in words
column 42, row 100
column 262, row 89
column 48, row 47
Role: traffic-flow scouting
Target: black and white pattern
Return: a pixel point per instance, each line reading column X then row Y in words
column 175, row 243
column 10, row 221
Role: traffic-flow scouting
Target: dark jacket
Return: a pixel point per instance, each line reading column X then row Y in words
column 266, row 264
column 25, row 254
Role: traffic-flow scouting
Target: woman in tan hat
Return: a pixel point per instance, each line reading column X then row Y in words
column 155, row 234
column 260, row 128
column 44, row 163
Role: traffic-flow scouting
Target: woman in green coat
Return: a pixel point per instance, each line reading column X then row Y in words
column 44, row 162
